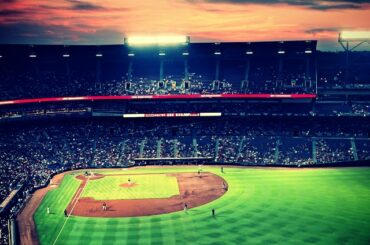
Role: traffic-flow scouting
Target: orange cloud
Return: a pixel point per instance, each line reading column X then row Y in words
column 201, row 20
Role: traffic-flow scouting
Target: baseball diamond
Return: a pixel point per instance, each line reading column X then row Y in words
column 265, row 206
column 108, row 187
column 144, row 194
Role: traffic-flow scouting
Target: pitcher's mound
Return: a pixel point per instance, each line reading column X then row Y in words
column 127, row 185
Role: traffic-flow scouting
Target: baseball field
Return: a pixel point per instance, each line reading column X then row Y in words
column 259, row 206
column 137, row 186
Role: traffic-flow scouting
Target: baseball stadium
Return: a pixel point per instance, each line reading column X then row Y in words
column 200, row 161
column 113, row 136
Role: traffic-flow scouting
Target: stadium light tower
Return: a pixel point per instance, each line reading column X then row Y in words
column 156, row 40
column 357, row 38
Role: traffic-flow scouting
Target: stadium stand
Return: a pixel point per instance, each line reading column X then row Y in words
column 38, row 140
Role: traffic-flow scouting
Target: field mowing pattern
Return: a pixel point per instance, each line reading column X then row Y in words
column 147, row 186
column 262, row 206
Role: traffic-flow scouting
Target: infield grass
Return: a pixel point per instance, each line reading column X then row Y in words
column 144, row 186
column 262, row 206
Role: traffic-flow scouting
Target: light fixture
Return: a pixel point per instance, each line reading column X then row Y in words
column 161, row 53
column 308, row 51
column 156, row 40
column 131, row 54
column 217, row 52
column 281, row 52
column 66, row 55
column 249, row 52
column 99, row 55
column 185, row 53
column 32, row 56
column 355, row 36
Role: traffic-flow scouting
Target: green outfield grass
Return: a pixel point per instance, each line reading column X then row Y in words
column 262, row 206
column 146, row 186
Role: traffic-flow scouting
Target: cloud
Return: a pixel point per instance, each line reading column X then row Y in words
column 7, row 1
column 311, row 4
column 84, row 6
column 35, row 33
column 11, row 12
column 336, row 6
column 321, row 30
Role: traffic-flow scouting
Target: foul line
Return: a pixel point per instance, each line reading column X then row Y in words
column 65, row 222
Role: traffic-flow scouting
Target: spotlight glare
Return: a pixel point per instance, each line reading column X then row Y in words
column 156, row 40
column 354, row 36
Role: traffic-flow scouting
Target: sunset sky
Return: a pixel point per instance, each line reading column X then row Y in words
column 108, row 21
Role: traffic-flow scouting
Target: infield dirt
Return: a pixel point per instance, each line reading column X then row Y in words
column 195, row 190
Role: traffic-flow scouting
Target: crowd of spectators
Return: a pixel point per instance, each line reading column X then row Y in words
column 295, row 149
column 362, row 109
column 363, row 149
column 331, row 151
column 29, row 84
column 30, row 154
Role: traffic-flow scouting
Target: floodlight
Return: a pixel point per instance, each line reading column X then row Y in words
column 66, row 55
column 217, row 53
column 156, row 40
column 32, row 56
column 99, row 55
column 281, row 52
column 249, row 52
column 354, row 36
column 357, row 38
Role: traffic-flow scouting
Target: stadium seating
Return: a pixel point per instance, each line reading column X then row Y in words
column 38, row 140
